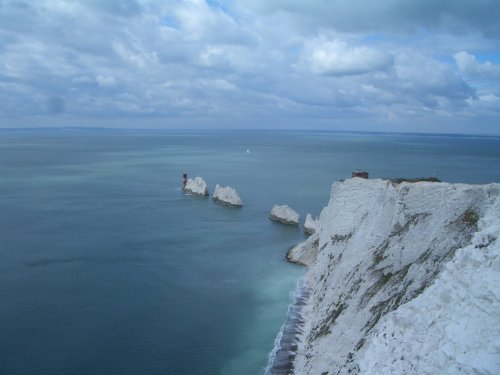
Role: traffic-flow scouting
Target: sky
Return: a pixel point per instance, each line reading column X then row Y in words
column 370, row 65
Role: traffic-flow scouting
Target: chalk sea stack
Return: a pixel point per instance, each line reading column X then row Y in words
column 284, row 214
column 226, row 196
column 196, row 187
column 311, row 225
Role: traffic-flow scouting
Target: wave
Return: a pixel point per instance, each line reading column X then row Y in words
column 285, row 346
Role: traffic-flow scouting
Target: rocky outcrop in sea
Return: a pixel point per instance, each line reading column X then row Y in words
column 310, row 225
column 284, row 214
column 196, row 186
column 226, row 196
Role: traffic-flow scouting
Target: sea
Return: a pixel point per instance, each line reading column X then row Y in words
column 106, row 267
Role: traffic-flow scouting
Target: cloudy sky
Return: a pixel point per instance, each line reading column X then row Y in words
column 377, row 65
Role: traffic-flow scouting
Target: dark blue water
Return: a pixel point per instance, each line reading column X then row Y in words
column 106, row 267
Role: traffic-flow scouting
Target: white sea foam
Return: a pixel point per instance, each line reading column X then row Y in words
column 286, row 343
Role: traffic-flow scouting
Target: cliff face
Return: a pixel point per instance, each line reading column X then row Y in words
column 379, row 246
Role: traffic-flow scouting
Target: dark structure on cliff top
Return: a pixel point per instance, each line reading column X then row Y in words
column 359, row 173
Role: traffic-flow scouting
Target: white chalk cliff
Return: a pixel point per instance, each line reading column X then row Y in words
column 304, row 253
column 402, row 278
column 284, row 214
column 226, row 196
column 197, row 186
column 310, row 225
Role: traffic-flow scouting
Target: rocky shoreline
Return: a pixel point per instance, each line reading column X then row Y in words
column 287, row 341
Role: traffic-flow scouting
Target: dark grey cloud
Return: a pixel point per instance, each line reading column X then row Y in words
column 56, row 105
column 393, row 15
column 17, row 15
column 123, row 8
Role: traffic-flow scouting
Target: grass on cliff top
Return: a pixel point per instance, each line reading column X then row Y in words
column 411, row 180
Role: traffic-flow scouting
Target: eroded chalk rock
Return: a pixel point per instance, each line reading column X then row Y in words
column 311, row 225
column 226, row 196
column 284, row 214
column 197, row 186
column 304, row 253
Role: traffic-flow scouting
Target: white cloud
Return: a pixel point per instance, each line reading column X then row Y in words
column 83, row 79
column 490, row 100
column 211, row 55
column 337, row 58
column 218, row 84
column 202, row 23
column 105, row 81
column 275, row 60
column 135, row 54
column 468, row 65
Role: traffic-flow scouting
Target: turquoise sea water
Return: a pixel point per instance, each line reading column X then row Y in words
column 106, row 267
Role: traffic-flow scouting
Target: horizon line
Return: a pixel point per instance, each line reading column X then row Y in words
column 85, row 128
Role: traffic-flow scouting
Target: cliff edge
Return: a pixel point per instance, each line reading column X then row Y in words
column 403, row 278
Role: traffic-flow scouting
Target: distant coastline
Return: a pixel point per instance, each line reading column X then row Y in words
column 252, row 130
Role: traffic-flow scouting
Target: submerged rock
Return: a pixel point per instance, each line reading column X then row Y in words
column 197, row 186
column 311, row 225
column 284, row 214
column 226, row 196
